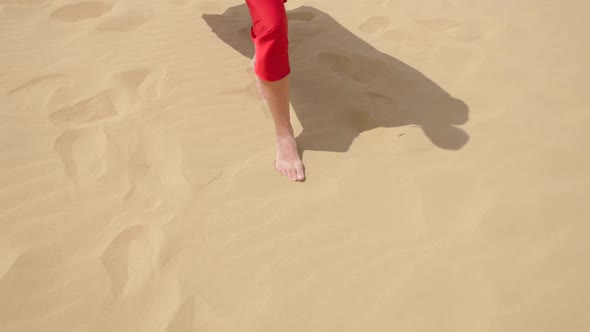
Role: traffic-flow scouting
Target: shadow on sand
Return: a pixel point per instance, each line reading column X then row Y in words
column 342, row 86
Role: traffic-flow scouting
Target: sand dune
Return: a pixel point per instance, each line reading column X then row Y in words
column 446, row 147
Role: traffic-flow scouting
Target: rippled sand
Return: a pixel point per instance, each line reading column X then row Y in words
column 446, row 145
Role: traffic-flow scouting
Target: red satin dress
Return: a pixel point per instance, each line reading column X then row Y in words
column 269, row 33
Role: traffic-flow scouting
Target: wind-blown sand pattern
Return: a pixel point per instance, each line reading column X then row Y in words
column 446, row 146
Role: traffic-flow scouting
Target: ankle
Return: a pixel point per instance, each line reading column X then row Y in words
column 284, row 131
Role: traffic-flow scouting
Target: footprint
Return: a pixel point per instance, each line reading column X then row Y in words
column 101, row 129
column 83, row 154
column 81, row 11
column 129, row 260
column 130, row 80
column 125, row 21
column 360, row 70
column 64, row 96
column 35, row 81
column 86, row 112
column 147, row 84
column 100, row 134
column 104, row 106
column 374, row 24
column 152, row 87
column 301, row 16
column 155, row 172
column 184, row 318
column 36, row 93
column 84, row 144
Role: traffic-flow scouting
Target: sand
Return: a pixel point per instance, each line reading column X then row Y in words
column 446, row 145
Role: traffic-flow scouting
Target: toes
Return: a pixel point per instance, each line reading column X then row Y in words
column 290, row 175
column 294, row 173
column 300, row 173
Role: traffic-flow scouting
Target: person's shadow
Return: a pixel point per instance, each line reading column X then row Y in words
column 342, row 86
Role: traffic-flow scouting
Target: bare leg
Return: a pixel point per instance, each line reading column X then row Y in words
column 287, row 160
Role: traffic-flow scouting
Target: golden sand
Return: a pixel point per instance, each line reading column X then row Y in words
column 446, row 144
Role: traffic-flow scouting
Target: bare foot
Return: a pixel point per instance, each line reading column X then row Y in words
column 287, row 161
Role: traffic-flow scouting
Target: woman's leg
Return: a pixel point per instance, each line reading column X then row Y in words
column 271, row 65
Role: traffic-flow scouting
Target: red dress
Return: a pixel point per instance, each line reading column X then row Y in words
column 269, row 34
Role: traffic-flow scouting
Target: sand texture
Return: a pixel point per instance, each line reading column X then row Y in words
column 446, row 146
